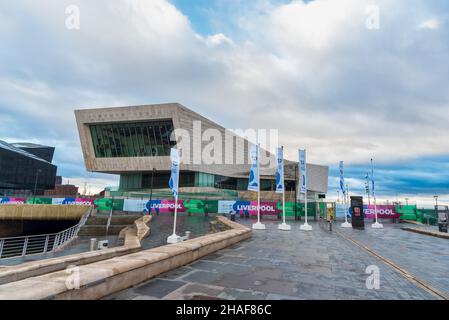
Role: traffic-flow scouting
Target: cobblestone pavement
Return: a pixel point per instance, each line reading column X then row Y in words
column 424, row 256
column 281, row 265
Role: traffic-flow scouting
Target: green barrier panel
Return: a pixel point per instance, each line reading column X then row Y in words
column 39, row 200
column 407, row 212
column 404, row 209
column 322, row 209
column 105, row 204
column 311, row 209
column 410, row 217
column 201, row 206
column 289, row 209
column 427, row 216
column 195, row 206
column 212, row 206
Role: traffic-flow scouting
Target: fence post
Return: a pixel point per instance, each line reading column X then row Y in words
column 55, row 243
column 1, row 247
column 46, row 243
column 25, row 244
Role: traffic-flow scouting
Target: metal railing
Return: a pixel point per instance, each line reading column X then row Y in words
column 40, row 244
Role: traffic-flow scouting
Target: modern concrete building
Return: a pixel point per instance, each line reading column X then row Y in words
column 134, row 142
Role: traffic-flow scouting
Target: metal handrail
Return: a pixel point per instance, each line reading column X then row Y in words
column 39, row 244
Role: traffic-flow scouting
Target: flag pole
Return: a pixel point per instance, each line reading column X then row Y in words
column 284, row 226
column 305, row 226
column 176, row 215
column 174, row 185
column 375, row 225
column 258, row 225
column 346, row 224
column 258, row 190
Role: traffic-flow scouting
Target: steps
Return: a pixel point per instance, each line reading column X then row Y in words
column 96, row 225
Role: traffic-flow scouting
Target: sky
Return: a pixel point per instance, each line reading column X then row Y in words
column 349, row 80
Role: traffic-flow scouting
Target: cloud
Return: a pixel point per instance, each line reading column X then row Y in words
column 313, row 70
column 431, row 24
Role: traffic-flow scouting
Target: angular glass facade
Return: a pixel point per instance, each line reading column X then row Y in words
column 137, row 139
column 20, row 171
column 159, row 180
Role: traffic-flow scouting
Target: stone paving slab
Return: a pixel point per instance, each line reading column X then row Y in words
column 279, row 265
column 424, row 256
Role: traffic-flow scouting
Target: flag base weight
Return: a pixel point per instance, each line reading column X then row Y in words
column 259, row 226
column 174, row 239
column 346, row 225
column 306, row 227
column 284, row 227
column 377, row 225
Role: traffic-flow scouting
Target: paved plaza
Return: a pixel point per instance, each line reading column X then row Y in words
column 306, row 265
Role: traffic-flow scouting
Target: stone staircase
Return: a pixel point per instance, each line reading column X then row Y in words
column 96, row 225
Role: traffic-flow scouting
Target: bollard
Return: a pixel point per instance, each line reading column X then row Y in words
column 187, row 237
column 93, row 244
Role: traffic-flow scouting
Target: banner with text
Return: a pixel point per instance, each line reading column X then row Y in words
column 248, row 208
column 153, row 206
column 7, row 200
column 383, row 212
column 73, row 201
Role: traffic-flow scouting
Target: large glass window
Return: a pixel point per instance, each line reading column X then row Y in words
column 138, row 139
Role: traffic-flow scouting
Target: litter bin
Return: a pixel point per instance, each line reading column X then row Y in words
column 232, row 216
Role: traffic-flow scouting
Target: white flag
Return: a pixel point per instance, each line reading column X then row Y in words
column 280, row 171
column 253, row 184
column 174, row 179
column 342, row 179
column 302, row 171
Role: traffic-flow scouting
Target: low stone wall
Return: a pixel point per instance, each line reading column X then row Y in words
column 427, row 232
column 100, row 279
column 41, row 212
column 40, row 267
column 134, row 234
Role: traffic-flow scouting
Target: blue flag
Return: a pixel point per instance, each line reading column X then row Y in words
column 342, row 179
column 253, row 184
column 302, row 171
column 280, row 171
column 174, row 179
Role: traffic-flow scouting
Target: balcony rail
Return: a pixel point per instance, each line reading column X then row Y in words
column 40, row 244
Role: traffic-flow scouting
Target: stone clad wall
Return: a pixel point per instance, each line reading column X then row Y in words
column 41, row 212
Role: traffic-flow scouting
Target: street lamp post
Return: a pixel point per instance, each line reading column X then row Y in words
column 436, row 207
column 151, row 190
column 35, row 185
column 376, row 224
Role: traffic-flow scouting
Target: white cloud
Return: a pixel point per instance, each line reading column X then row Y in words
column 431, row 24
column 314, row 71
column 217, row 40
